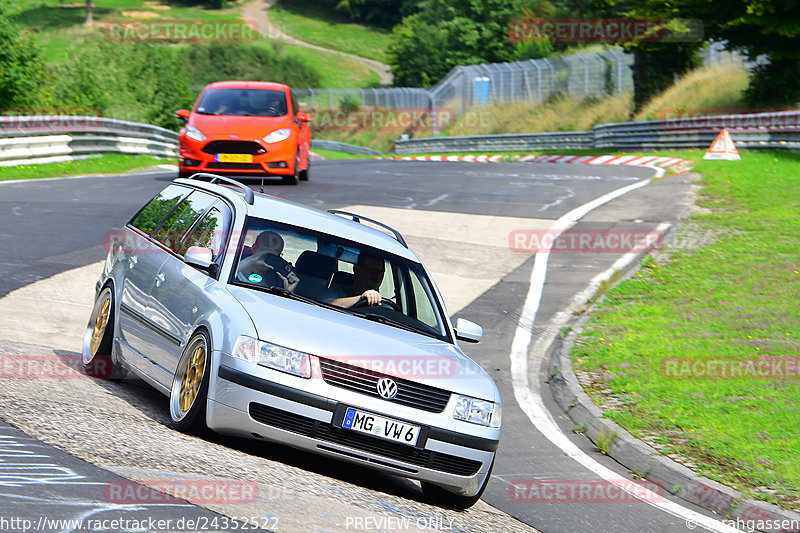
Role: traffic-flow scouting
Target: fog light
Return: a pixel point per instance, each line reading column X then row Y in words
column 191, row 162
column 279, row 164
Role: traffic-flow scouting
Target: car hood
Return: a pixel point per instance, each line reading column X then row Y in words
column 221, row 126
column 354, row 340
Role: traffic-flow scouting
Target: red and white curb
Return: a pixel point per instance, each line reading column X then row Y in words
column 671, row 163
column 472, row 158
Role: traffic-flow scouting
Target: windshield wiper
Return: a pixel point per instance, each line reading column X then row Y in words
column 204, row 113
column 279, row 291
column 389, row 322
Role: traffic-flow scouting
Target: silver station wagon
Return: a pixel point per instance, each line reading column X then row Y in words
column 265, row 319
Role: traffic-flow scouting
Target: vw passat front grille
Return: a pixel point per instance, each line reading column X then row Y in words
column 309, row 427
column 366, row 381
column 234, row 147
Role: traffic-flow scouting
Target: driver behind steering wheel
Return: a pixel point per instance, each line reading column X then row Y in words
column 367, row 278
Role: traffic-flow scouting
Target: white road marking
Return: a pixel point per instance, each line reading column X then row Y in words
column 528, row 394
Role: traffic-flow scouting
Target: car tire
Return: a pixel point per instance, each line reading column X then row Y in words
column 304, row 173
column 294, row 179
column 98, row 340
column 184, row 175
column 189, row 394
column 439, row 496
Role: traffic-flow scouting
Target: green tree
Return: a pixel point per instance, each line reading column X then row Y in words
column 22, row 71
column 384, row 13
column 448, row 33
column 137, row 82
column 769, row 28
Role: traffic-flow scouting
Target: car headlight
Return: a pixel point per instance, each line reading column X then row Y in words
column 273, row 356
column 277, row 136
column 477, row 411
column 194, row 133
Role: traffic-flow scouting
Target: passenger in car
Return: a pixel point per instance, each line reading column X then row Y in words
column 367, row 278
column 265, row 266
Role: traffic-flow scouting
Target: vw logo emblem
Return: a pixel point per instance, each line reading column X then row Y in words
column 387, row 388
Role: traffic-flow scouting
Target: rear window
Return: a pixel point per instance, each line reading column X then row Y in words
column 152, row 214
column 171, row 233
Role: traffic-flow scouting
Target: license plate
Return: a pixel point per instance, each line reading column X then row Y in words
column 234, row 158
column 378, row 426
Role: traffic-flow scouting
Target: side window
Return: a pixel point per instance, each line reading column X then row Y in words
column 424, row 311
column 151, row 215
column 171, row 232
column 295, row 105
column 387, row 289
column 211, row 232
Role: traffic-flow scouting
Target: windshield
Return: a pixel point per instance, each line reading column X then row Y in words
column 243, row 102
column 331, row 271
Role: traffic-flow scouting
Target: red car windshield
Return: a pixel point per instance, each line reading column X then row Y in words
column 243, row 102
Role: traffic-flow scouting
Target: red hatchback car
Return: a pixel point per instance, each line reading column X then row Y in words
column 248, row 129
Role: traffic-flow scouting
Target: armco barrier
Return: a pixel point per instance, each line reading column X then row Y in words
column 757, row 131
column 51, row 138
column 45, row 139
column 343, row 147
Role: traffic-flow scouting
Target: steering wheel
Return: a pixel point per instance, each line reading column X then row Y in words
column 384, row 302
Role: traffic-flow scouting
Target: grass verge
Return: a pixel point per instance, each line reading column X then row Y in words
column 335, row 154
column 107, row 164
column 336, row 71
column 727, row 289
column 303, row 20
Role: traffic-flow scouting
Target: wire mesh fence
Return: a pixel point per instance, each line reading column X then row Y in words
column 535, row 80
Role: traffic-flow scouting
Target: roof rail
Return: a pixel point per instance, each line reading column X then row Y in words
column 359, row 218
column 249, row 197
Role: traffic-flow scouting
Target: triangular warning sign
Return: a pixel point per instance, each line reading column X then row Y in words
column 723, row 148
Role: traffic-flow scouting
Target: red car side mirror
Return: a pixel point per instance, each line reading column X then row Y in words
column 302, row 116
column 183, row 113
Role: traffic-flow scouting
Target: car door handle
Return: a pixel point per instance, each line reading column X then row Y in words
column 160, row 279
column 132, row 260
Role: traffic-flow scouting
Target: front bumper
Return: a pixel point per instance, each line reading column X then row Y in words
column 278, row 159
column 249, row 406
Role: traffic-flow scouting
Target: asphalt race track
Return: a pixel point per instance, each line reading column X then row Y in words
column 461, row 218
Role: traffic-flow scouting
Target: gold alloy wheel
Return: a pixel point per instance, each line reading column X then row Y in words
column 99, row 328
column 192, row 377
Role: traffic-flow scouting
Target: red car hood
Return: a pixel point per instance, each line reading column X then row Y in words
column 228, row 126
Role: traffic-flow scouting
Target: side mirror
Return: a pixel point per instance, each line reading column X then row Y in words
column 199, row 257
column 302, row 116
column 183, row 113
column 468, row 331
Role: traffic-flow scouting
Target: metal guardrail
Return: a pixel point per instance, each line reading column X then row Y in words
column 30, row 140
column 343, row 147
column 46, row 139
column 757, row 131
column 54, row 138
